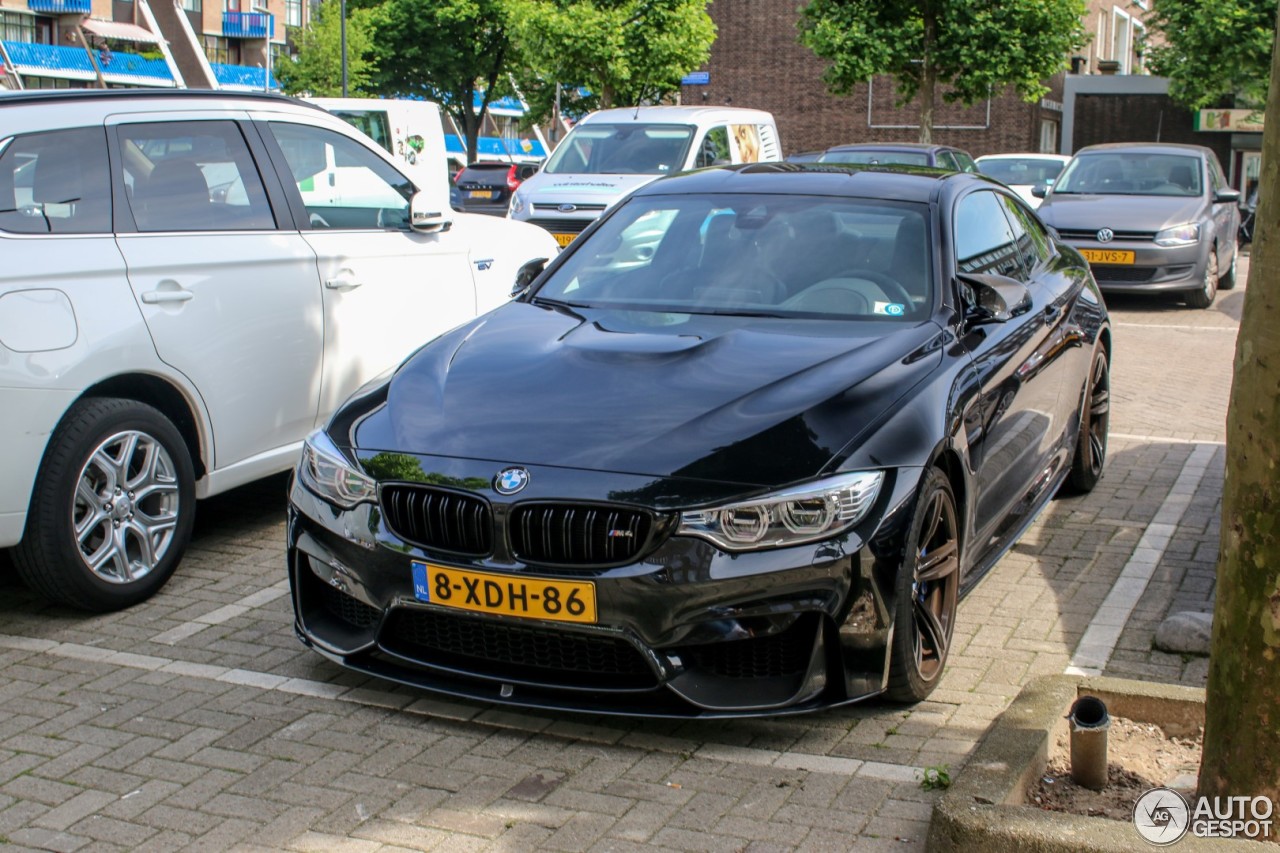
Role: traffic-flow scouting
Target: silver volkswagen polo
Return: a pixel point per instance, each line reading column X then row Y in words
column 1149, row 217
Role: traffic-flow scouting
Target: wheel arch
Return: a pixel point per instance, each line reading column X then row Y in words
column 163, row 396
column 948, row 460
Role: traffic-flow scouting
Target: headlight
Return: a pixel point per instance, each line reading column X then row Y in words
column 803, row 514
column 325, row 471
column 517, row 204
column 1180, row 235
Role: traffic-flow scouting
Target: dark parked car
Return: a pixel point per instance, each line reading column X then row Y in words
column 738, row 450
column 1149, row 217
column 905, row 153
column 487, row 187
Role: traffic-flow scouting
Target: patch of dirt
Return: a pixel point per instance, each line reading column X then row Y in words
column 1140, row 756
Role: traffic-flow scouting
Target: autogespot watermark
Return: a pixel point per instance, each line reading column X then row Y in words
column 1162, row 816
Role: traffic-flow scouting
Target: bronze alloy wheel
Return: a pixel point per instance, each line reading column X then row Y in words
column 927, row 605
column 1095, row 421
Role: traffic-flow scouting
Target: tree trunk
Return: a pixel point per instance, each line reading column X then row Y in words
column 1242, row 714
column 928, row 76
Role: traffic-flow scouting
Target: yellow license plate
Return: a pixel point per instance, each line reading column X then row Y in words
column 481, row 193
column 1107, row 256
column 506, row 595
column 563, row 239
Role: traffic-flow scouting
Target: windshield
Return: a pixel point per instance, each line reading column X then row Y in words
column 865, row 158
column 1117, row 173
column 1022, row 170
column 754, row 255
column 622, row 149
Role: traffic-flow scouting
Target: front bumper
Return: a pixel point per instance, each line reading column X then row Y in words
column 1154, row 268
column 686, row 630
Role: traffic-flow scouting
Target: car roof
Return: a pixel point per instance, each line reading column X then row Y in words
column 164, row 97
column 1030, row 155
column 906, row 183
column 1146, row 148
column 893, row 146
column 682, row 114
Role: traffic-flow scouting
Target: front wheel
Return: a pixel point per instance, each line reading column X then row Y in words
column 1203, row 297
column 928, row 592
column 113, row 507
column 1227, row 280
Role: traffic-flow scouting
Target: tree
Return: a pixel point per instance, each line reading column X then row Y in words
column 1211, row 50
column 608, row 52
column 457, row 52
column 973, row 46
column 1241, row 755
column 317, row 70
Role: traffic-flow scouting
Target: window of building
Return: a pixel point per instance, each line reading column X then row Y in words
column 15, row 26
column 1139, row 46
column 293, row 13
column 1048, row 136
column 192, row 5
column 1121, row 34
column 217, row 49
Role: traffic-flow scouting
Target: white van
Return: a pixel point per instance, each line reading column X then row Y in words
column 611, row 152
column 410, row 130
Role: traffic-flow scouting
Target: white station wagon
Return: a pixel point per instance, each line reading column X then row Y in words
column 183, row 298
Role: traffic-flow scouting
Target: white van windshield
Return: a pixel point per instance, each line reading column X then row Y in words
column 622, row 149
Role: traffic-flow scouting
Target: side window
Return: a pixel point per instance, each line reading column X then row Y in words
column 1034, row 246
column 985, row 243
column 714, row 149
column 964, row 162
column 342, row 183
column 192, row 176
column 56, row 183
column 1217, row 180
column 946, row 161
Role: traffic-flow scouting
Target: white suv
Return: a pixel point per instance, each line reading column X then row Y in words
column 192, row 282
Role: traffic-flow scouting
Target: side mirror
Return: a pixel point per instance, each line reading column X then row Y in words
column 1040, row 190
column 991, row 298
column 422, row 218
column 1224, row 196
column 526, row 274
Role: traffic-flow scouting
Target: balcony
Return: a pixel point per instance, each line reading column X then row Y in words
column 245, row 25
column 61, row 7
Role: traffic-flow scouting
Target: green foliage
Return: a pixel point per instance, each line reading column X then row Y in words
column 317, row 69
column 1212, row 50
column 974, row 47
column 936, row 778
column 621, row 52
column 446, row 51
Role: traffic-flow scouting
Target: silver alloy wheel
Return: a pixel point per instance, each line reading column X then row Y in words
column 1210, row 284
column 126, row 507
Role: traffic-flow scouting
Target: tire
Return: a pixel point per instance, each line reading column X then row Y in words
column 112, row 508
column 927, row 593
column 1095, row 420
column 1227, row 280
column 1203, row 297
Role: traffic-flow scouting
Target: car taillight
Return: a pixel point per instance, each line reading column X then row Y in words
column 457, row 176
column 512, row 180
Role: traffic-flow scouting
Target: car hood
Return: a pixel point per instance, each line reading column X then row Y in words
column 1072, row 212
column 760, row 402
column 543, row 189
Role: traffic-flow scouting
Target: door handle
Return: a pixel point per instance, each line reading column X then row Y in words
column 155, row 297
column 341, row 284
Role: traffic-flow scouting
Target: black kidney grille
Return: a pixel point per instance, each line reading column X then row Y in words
column 350, row 610
column 578, row 535
column 437, row 518
column 521, row 652
column 785, row 654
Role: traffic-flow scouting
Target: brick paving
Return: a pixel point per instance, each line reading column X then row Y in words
column 197, row 721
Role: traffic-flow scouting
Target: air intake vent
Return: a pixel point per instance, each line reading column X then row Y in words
column 438, row 519
column 578, row 534
column 504, row 650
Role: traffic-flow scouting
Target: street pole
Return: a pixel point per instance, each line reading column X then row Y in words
column 342, row 13
column 266, row 13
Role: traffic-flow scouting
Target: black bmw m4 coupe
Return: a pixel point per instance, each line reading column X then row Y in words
column 738, row 450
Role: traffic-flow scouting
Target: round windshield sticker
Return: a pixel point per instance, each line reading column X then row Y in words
column 894, row 309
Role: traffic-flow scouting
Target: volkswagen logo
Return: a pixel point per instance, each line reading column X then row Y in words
column 510, row 480
column 567, row 208
column 1106, row 235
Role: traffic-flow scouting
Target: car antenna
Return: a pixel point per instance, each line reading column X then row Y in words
column 636, row 115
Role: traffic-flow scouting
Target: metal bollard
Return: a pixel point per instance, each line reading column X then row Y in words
column 1089, row 723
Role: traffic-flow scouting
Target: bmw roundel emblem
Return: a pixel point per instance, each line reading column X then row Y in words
column 510, row 480
column 1106, row 235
